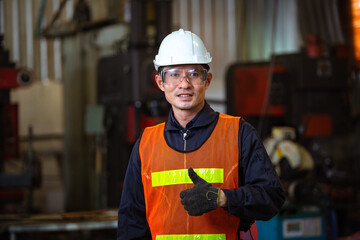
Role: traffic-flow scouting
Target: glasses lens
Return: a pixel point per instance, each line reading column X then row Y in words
column 195, row 76
column 172, row 76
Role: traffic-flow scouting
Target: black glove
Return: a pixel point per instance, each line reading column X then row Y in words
column 201, row 198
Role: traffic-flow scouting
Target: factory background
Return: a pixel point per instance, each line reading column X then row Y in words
column 76, row 90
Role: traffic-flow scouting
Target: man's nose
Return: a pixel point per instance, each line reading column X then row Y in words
column 187, row 82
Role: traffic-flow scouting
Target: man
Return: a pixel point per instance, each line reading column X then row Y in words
column 201, row 174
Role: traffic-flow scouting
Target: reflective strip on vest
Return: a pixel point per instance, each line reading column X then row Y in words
column 172, row 177
column 192, row 237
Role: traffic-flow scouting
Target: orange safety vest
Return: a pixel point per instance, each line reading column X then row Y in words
column 164, row 176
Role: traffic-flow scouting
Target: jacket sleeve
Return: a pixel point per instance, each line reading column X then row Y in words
column 132, row 223
column 261, row 196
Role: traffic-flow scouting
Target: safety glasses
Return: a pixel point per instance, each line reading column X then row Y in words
column 174, row 76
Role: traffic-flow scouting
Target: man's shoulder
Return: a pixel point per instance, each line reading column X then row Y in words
column 151, row 132
column 227, row 116
column 241, row 118
column 245, row 125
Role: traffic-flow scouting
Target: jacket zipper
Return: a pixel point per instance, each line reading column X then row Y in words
column 184, row 137
column 185, row 167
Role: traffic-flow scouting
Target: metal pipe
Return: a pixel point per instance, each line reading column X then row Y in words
column 163, row 20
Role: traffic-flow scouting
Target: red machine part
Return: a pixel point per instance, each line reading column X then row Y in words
column 251, row 90
column 131, row 136
column 11, row 135
column 145, row 121
column 14, row 77
column 318, row 125
column 11, row 78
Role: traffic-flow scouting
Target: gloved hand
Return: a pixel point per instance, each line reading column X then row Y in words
column 201, row 198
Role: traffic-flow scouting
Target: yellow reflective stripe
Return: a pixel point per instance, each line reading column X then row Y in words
column 180, row 176
column 192, row 237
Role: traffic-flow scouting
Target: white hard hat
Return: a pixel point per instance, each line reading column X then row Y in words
column 181, row 47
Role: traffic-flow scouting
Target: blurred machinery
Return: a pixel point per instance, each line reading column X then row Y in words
column 129, row 94
column 299, row 102
column 290, row 159
column 10, row 78
column 310, row 94
column 12, row 185
column 295, row 165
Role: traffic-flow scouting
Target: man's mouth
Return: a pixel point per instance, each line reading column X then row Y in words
column 184, row 95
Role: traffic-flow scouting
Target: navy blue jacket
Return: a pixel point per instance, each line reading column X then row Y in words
column 259, row 197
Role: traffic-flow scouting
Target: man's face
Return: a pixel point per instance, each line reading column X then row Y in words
column 188, row 95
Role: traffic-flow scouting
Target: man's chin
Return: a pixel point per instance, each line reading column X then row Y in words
column 185, row 106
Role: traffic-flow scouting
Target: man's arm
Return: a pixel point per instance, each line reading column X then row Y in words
column 261, row 196
column 132, row 223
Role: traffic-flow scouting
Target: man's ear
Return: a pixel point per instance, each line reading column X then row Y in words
column 159, row 82
column 208, row 79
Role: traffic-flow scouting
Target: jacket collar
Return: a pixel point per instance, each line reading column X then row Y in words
column 206, row 116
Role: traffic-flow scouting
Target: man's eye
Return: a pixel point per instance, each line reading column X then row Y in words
column 174, row 75
column 194, row 74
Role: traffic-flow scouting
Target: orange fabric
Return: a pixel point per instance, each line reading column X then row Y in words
column 164, row 212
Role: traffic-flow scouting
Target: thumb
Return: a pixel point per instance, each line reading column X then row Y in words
column 194, row 177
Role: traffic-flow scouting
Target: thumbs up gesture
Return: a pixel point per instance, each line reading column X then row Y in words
column 201, row 198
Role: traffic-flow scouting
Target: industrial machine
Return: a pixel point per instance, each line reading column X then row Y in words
column 125, row 117
column 12, row 185
column 128, row 92
column 290, row 159
column 298, row 103
column 293, row 90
